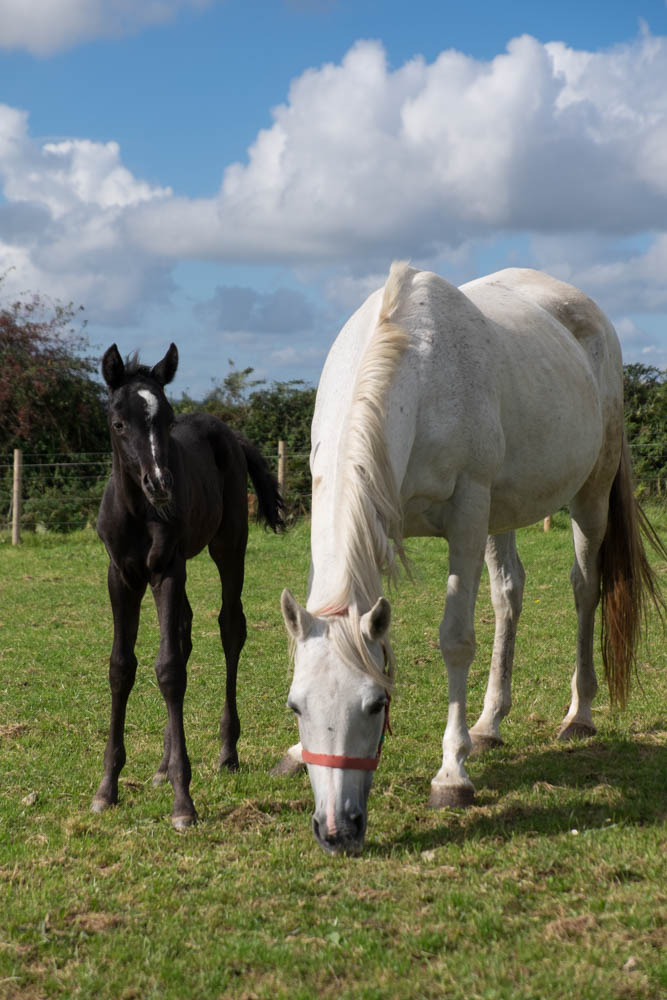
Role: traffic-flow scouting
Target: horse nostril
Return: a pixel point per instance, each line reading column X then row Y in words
column 357, row 820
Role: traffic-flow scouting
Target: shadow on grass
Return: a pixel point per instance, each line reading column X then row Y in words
column 583, row 785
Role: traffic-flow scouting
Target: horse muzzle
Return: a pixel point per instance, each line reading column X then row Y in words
column 341, row 836
column 158, row 486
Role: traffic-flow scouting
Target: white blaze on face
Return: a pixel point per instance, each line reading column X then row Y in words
column 152, row 405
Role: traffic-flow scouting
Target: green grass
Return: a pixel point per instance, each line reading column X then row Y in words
column 551, row 886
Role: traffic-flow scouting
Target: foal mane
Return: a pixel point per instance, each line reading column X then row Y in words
column 370, row 518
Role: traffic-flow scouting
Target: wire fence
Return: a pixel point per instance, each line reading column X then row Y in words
column 64, row 492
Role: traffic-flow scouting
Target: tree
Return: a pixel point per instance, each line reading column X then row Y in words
column 645, row 393
column 49, row 403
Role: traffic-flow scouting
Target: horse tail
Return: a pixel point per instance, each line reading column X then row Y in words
column 628, row 582
column 270, row 505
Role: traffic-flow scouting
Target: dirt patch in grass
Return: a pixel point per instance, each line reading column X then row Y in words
column 569, row 928
column 13, row 730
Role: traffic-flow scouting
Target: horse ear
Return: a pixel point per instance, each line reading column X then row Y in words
column 375, row 623
column 298, row 621
column 164, row 371
column 113, row 369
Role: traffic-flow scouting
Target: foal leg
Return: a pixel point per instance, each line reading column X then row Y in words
column 507, row 578
column 160, row 775
column 589, row 523
column 125, row 605
column 229, row 556
column 466, row 532
column 170, row 668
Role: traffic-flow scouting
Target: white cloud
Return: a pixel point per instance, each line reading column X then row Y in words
column 61, row 227
column 540, row 138
column 47, row 26
column 364, row 163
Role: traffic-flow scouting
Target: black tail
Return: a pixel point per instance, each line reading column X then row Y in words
column 270, row 506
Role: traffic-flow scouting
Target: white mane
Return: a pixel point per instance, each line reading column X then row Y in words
column 370, row 517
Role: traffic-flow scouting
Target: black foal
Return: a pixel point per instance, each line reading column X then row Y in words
column 177, row 484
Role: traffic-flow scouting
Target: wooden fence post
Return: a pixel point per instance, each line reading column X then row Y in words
column 282, row 466
column 17, row 496
column 547, row 523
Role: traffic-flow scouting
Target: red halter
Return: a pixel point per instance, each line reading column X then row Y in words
column 353, row 763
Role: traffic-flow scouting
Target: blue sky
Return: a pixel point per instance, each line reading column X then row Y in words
column 238, row 176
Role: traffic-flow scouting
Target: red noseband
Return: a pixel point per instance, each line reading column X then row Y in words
column 353, row 763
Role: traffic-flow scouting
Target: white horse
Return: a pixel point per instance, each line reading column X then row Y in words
column 461, row 413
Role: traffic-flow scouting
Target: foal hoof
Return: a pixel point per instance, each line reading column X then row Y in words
column 228, row 761
column 99, row 805
column 451, row 795
column 159, row 778
column 576, row 731
column 287, row 767
column 184, row 821
column 481, row 742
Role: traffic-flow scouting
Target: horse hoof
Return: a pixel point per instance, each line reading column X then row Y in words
column 481, row 742
column 99, row 805
column 159, row 778
column 451, row 795
column 228, row 761
column 183, row 822
column 287, row 767
column 576, row 731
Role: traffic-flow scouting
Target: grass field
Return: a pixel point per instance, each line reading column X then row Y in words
column 551, row 886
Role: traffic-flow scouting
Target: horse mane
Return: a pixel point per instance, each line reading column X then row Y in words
column 134, row 367
column 370, row 517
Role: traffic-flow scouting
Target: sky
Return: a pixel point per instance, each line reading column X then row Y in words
column 237, row 176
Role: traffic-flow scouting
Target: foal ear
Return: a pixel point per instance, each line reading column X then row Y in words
column 113, row 369
column 164, row 371
column 298, row 621
column 375, row 623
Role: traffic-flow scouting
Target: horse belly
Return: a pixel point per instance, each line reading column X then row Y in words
column 550, row 451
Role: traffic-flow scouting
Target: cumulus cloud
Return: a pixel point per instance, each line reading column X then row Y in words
column 61, row 226
column 363, row 163
column 541, row 138
column 47, row 26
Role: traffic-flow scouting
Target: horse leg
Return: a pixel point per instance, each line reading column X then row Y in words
column 230, row 557
column 171, row 671
column 506, row 575
column 160, row 775
column 589, row 524
column 466, row 532
column 125, row 606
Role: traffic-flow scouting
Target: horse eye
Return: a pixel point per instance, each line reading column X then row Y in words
column 117, row 425
column 377, row 706
column 294, row 707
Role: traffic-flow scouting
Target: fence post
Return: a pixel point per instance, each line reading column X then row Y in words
column 547, row 523
column 17, row 496
column 282, row 466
